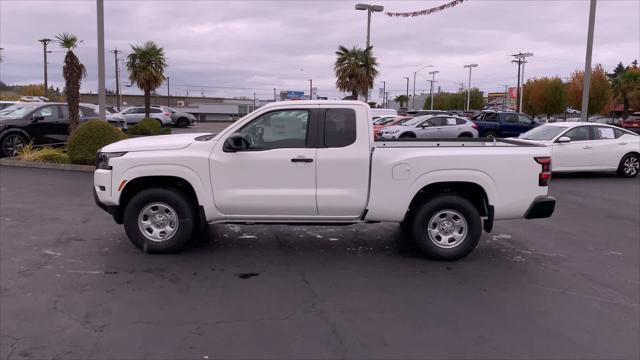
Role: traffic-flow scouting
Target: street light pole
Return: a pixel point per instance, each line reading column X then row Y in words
column 586, row 84
column 310, row 89
column 369, row 8
column 521, row 59
column 168, row 93
column 433, row 79
column 45, row 42
column 384, row 92
column 115, row 54
column 102, row 96
column 470, row 66
column 413, row 100
column 406, row 77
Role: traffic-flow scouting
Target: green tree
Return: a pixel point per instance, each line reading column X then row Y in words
column 146, row 65
column 544, row 96
column 625, row 82
column 355, row 70
column 599, row 91
column 73, row 72
column 402, row 99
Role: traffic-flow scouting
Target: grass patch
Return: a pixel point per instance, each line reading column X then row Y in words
column 44, row 154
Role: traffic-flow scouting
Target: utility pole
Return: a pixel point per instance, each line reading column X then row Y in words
column 102, row 94
column 254, row 100
column 168, row 93
column 433, row 80
column 506, row 96
column 586, row 85
column 406, row 77
column 384, row 92
column 310, row 89
column 520, row 60
column 274, row 95
column 115, row 54
column 45, row 42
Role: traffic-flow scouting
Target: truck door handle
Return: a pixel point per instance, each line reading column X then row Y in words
column 301, row 159
column 622, row 143
column 587, row 147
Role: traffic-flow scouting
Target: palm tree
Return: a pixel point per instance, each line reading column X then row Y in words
column 146, row 66
column 624, row 85
column 73, row 72
column 402, row 99
column 355, row 70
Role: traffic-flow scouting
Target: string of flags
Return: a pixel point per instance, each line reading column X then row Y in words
column 425, row 11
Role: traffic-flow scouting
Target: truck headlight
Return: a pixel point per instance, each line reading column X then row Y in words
column 102, row 159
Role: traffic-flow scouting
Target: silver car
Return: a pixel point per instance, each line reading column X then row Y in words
column 135, row 114
column 180, row 119
column 431, row 126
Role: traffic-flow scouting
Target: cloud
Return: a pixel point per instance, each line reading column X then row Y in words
column 259, row 45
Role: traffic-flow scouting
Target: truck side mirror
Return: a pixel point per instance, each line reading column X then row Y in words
column 236, row 142
column 564, row 140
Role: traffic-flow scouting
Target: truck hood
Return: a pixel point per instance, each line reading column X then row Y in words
column 151, row 143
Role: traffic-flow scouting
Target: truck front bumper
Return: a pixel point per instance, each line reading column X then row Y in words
column 541, row 207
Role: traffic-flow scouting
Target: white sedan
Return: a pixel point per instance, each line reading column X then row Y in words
column 579, row 146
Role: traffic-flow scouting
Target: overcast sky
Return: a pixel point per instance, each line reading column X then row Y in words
column 260, row 45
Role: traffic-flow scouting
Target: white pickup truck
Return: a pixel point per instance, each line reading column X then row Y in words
column 316, row 162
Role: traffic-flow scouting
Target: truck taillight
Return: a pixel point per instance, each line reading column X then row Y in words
column 545, row 174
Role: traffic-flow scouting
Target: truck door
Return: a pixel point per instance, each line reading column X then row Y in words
column 275, row 173
column 343, row 161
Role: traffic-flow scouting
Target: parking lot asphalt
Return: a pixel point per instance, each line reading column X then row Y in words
column 73, row 287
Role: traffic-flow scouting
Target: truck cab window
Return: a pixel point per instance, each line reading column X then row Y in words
column 339, row 128
column 277, row 130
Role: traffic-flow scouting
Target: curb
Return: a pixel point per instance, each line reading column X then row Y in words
column 44, row 165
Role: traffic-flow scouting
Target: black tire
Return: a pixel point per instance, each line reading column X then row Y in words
column 183, row 123
column 465, row 135
column 161, row 123
column 10, row 144
column 184, row 226
column 490, row 135
column 629, row 166
column 459, row 207
column 407, row 136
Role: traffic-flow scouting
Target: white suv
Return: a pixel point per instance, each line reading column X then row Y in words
column 135, row 114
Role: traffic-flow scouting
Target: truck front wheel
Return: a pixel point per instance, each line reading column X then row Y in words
column 159, row 220
column 447, row 227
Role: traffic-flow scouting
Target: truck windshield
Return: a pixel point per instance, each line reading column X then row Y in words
column 544, row 132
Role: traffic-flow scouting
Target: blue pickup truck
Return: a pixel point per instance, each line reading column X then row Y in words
column 503, row 124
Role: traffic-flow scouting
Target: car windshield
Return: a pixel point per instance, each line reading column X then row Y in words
column 17, row 110
column 417, row 120
column 544, row 132
column 382, row 121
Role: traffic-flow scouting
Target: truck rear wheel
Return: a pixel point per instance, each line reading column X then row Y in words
column 447, row 227
column 159, row 220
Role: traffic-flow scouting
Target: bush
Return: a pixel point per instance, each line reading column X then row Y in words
column 45, row 154
column 88, row 138
column 148, row 126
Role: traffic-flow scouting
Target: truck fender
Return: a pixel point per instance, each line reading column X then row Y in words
column 477, row 177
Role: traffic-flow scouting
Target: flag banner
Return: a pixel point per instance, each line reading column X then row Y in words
column 425, row 11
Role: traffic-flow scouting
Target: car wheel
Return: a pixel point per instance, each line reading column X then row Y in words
column 160, row 122
column 465, row 135
column 407, row 136
column 446, row 227
column 629, row 166
column 10, row 144
column 183, row 123
column 490, row 135
column 159, row 220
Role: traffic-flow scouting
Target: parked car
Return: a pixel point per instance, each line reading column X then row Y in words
column 114, row 118
column 583, row 146
column 314, row 162
column 396, row 120
column 33, row 99
column 178, row 118
column 38, row 123
column 430, row 126
column 503, row 124
column 135, row 114
column 428, row 112
column 632, row 123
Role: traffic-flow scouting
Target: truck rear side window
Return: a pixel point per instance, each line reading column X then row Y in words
column 339, row 127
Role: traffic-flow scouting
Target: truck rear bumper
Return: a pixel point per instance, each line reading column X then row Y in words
column 541, row 207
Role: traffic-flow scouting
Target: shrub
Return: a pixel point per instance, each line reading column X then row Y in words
column 45, row 154
column 148, row 126
column 88, row 138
